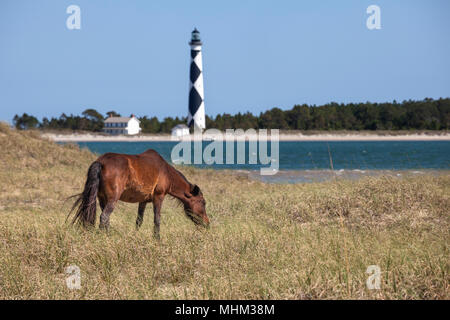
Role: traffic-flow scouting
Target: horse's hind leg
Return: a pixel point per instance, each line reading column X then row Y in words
column 102, row 202
column 104, row 217
column 109, row 194
column 140, row 216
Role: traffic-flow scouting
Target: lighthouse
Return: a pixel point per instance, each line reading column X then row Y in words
column 196, row 113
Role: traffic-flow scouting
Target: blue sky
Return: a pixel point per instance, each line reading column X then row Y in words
column 133, row 56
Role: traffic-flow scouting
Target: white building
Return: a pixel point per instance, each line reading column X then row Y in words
column 122, row 125
column 180, row 130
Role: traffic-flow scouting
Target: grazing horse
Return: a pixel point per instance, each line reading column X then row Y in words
column 141, row 178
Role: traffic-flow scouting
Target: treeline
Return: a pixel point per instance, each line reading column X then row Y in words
column 426, row 114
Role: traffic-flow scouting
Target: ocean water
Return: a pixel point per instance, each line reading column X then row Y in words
column 315, row 155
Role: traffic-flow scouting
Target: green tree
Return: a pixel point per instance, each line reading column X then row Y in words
column 25, row 122
column 151, row 125
column 94, row 120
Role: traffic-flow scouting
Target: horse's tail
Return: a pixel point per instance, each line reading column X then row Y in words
column 86, row 202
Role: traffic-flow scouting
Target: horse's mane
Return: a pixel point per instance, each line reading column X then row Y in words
column 182, row 175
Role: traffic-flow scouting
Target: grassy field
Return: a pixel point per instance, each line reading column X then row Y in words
column 266, row 241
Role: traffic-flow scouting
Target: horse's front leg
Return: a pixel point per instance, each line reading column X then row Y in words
column 140, row 216
column 157, row 203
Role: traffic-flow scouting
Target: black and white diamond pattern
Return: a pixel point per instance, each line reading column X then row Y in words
column 196, row 115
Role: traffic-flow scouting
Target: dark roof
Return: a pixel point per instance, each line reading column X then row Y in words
column 117, row 119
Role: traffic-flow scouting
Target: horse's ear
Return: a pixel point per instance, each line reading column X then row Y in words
column 195, row 190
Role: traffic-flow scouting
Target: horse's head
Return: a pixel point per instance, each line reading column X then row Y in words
column 194, row 206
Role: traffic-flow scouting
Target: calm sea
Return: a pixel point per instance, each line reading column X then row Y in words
column 347, row 155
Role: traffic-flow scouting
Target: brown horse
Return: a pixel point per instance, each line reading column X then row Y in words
column 141, row 178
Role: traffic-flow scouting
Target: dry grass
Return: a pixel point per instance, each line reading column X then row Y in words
column 304, row 241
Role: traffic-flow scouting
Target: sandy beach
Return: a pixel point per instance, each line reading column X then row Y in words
column 282, row 137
